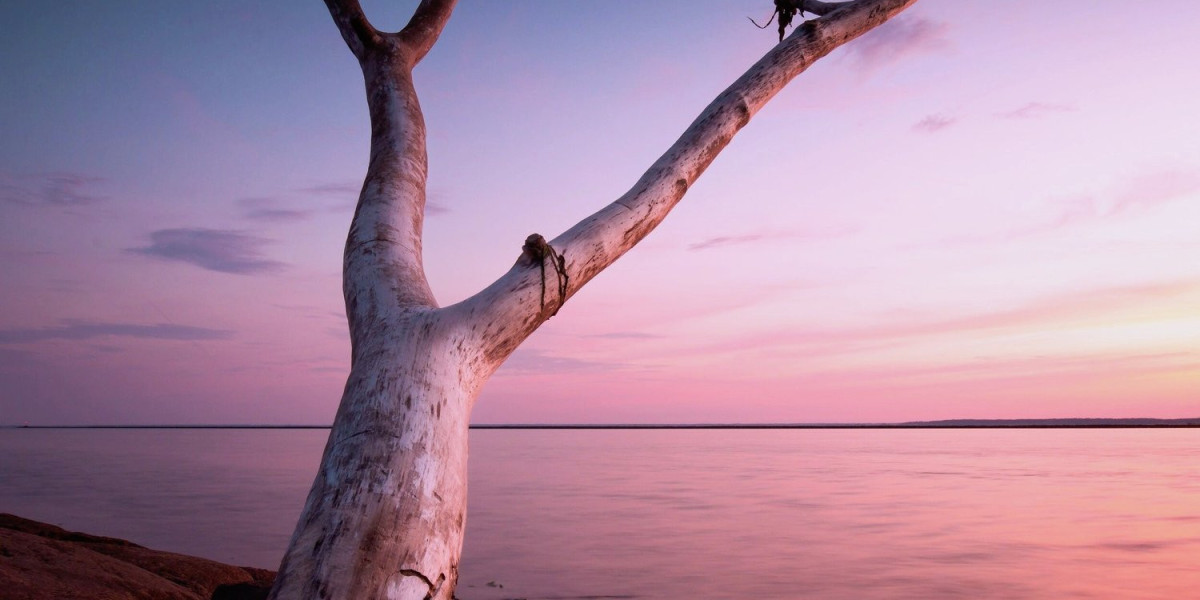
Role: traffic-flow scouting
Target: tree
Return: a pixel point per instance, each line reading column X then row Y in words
column 386, row 513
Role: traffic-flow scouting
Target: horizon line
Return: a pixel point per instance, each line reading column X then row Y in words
column 1055, row 423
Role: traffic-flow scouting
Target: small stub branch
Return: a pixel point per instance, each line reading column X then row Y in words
column 538, row 250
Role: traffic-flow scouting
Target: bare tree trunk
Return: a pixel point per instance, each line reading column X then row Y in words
column 386, row 514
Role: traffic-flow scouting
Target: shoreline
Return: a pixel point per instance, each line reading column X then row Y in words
column 40, row 561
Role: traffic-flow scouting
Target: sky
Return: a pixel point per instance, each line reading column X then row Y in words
column 980, row 210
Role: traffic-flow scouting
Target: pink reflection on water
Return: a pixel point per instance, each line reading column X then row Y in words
column 834, row 514
column 825, row 514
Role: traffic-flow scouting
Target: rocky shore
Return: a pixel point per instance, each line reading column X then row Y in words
column 43, row 562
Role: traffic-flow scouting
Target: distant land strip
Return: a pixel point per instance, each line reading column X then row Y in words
column 947, row 424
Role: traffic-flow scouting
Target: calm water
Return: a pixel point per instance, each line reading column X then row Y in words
column 687, row 514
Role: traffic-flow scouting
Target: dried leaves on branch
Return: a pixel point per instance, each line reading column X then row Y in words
column 786, row 9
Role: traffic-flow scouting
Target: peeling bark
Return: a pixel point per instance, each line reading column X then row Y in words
column 387, row 510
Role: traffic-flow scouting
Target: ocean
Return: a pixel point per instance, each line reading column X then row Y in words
column 675, row 514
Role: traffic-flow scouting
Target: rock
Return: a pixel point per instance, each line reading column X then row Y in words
column 242, row 591
column 43, row 562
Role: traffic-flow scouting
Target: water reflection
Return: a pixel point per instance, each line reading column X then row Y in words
column 835, row 514
column 687, row 514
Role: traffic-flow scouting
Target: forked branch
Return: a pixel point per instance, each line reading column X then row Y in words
column 383, row 270
column 425, row 26
column 358, row 32
column 415, row 39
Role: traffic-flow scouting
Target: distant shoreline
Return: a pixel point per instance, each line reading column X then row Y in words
column 947, row 424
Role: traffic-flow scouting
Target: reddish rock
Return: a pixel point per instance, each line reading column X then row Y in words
column 44, row 562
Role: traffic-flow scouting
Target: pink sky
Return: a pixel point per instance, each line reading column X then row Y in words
column 978, row 211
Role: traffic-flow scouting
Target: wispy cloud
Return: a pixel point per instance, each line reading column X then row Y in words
column 334, row 189
column 1144, row 191
column 971, row 372
column 527, row 361
column 1035, row 110
column 934, row 123
column 624, row 335
column 1071, row 211
column 728, row 240
column 897, row 39
column 347, row 193
column 13, row 252
column 435, row 204
column 87, row 330
column 277, row 215
column 1098, row 305
column 1140, row 193
column 15, row 359
column 52, row 189
column 265, row 210
column 213, row 249
column 751, row 238
column 71, row 189
column 1152, row 189
column 1088, row 305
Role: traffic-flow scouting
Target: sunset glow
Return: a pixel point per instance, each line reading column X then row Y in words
column 980, row 210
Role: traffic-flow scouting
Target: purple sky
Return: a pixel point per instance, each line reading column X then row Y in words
column 981, row 210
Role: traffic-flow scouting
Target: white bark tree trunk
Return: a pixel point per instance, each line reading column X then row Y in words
column 386, row 514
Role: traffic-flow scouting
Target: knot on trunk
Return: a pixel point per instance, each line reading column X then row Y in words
column 537, row 250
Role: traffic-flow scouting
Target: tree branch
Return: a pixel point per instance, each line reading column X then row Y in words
column 354, row 26
column 509, row 309
column 383, row 273
column 424, row 27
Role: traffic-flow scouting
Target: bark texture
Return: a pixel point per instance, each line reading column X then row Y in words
column 386, row 513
